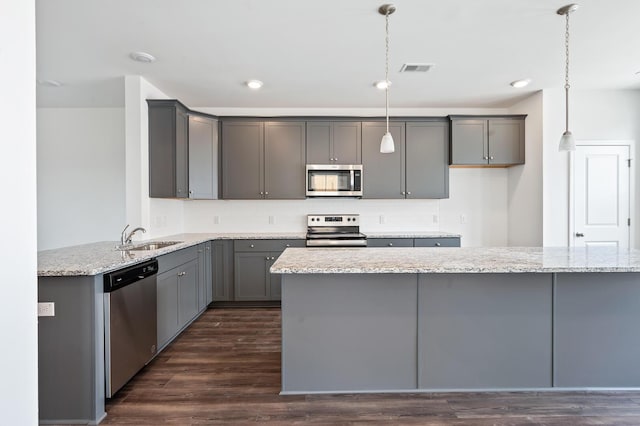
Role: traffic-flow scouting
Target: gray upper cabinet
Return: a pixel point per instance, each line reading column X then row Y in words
column 203, row 157
column 284, row 160
column 417, row 169
column 493, row 141
column 383, row 174
column 242, row 160
column 427, row 156
column 168, row 149
column 263, row 159
column 183, row 152
column 334, row 142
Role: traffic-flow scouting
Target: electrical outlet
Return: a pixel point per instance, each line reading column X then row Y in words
column 463, row 218
column 272, row 220
column 46, row 309
column 435, row 218
column 383, row 219
column 216, row 220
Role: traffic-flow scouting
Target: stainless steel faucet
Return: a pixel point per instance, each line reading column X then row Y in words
column 126, row 239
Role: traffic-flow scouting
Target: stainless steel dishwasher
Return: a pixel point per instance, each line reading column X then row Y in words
column 130, row 321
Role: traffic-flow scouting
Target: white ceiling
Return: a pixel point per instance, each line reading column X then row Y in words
column 328, row 54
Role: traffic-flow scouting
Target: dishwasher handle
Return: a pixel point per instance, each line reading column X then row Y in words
column 123, row 277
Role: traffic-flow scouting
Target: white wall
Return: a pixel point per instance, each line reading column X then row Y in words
column 81, row 166
column 594, row 115
column 18, row 260
column 525, row 181
column 158, row 217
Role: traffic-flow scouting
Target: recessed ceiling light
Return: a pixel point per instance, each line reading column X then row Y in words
column 382, row 84
column 142, row 57
column 254, row 84
column 518, row 84
column 49, row 83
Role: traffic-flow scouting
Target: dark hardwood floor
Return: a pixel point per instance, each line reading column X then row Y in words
column 225, row 369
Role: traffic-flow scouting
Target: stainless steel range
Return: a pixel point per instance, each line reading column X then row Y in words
column 325, row 230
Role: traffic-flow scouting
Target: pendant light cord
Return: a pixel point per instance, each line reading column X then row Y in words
column 566, row 74
column 386, row 70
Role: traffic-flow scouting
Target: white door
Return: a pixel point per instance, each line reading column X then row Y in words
column 601, row 196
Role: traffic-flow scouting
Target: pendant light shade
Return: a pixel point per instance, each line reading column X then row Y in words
column 386, row 144
column 567, row 142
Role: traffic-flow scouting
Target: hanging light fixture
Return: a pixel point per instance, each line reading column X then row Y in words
column 386, row 145
column 567, row 142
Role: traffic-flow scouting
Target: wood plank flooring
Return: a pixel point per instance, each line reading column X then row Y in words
column 225, row 369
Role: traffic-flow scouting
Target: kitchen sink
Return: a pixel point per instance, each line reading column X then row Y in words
column 153, row 245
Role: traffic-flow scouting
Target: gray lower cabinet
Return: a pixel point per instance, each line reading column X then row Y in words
column 417, row 169
column 334, row 142
column 491, row 141
column 222, row 268
column 263, row 160
column 205, row 276
column 437, row 242
column 168, row 149
column 177, row 292
column 252, row 261
column 390, row 242
column 414, row 242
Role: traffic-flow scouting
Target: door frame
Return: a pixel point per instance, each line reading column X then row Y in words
column 632, row 184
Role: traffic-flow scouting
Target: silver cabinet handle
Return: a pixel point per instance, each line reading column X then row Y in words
column 437, row 244
column 273, row 258
column 266, row 193
column 390, row 244
column 288, row 245
column 252, row 245
column 261, row 193
column 485, row 158
column 182, row 274
column 267, row 257
column 335, row 159
column 491, row 158
column 207, row 248
column 403, row 193
column 409, row 193
column 579, row 234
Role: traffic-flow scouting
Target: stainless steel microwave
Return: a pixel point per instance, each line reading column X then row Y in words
column 334, row 180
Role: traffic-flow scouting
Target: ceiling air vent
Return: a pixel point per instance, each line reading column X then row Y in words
column 416, row 67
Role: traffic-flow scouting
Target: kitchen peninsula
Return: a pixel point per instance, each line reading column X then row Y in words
column 425, row 319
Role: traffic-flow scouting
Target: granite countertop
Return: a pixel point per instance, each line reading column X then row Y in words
column 100, row 257
column 455, row 260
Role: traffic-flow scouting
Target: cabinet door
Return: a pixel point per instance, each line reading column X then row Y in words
column 208, row 273
column 203, row 158
column 250, row 276
column 383, row 174
column 319, row 140
column 182, row 153
column 427, row 160
column 469, row 142
column 202, row 276
column 506, row 141
column 222, row 266
column 242, row 160
column 187, row 292
column 167, row 300
column 347, row 142
column 284, row 160
column 275, row 280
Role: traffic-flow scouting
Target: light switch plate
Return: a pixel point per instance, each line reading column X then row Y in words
column 46, row 309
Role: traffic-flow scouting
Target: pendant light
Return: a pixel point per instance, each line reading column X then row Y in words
column 386, row 145
column 567, row 142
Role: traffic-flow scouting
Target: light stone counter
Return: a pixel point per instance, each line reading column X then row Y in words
column 455, row 260
column 411, row 234
column 98, row 258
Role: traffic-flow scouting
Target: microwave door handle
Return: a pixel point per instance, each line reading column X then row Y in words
column 353, row 181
